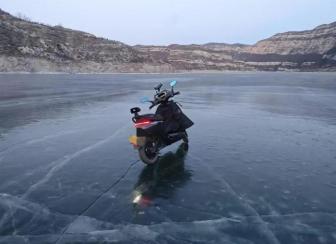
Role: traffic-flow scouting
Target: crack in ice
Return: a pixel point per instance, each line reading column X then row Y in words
column 60, row 163
column 163, row 227
column 56, row 166
column 269, row 234
column 33, row 141
column 94, row 202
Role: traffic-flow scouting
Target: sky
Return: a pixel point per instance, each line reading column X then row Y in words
column 163, row 22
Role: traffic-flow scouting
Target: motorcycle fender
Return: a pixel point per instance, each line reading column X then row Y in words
column 137, row 141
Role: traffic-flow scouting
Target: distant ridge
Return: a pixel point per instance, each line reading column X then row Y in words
column 33, row 47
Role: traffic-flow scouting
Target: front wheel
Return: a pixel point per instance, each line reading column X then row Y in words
column 149, row 153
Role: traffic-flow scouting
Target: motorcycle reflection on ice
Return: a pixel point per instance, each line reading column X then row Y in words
column 161, row 179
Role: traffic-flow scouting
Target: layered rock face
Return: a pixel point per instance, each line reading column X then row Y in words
column 304, row 51
column 193, row 57
column 33, row 47
column 28, row 46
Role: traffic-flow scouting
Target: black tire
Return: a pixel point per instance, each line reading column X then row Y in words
column 185, row 147
column 148, row 153
column 185, row 137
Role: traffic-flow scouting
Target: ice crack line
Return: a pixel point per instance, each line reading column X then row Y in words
column 269, row 234
column 34, row 141
column 60, row 163
column 96, row 200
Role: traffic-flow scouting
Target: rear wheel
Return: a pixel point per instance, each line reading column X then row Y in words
column 185, row 137
column 149, row 153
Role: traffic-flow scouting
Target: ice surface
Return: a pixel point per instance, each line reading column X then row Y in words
column 260, row 166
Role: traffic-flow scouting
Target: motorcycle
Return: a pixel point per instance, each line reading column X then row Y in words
column 156, row 131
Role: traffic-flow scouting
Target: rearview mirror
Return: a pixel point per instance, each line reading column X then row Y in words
column 158, row 87
column 144, row 100
column 173, row 83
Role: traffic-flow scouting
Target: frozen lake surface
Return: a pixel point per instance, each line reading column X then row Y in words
column 261, row 165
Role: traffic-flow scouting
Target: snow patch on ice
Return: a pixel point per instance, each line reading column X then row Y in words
column 84, row 224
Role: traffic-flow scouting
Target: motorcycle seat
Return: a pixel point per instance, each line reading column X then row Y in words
column 148, row 116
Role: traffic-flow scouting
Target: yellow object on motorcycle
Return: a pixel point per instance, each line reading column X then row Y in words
column 137, row 141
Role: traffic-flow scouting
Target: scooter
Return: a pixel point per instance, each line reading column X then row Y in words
column 156, row 131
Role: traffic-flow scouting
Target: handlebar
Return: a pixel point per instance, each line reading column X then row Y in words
column 152, row 106
column 155, row 102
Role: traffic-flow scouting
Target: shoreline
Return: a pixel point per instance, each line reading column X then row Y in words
column 166, row 73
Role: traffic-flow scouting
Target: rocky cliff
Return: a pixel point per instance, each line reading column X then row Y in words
column 33, row 47
column 28, row 46
column 304, row 50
